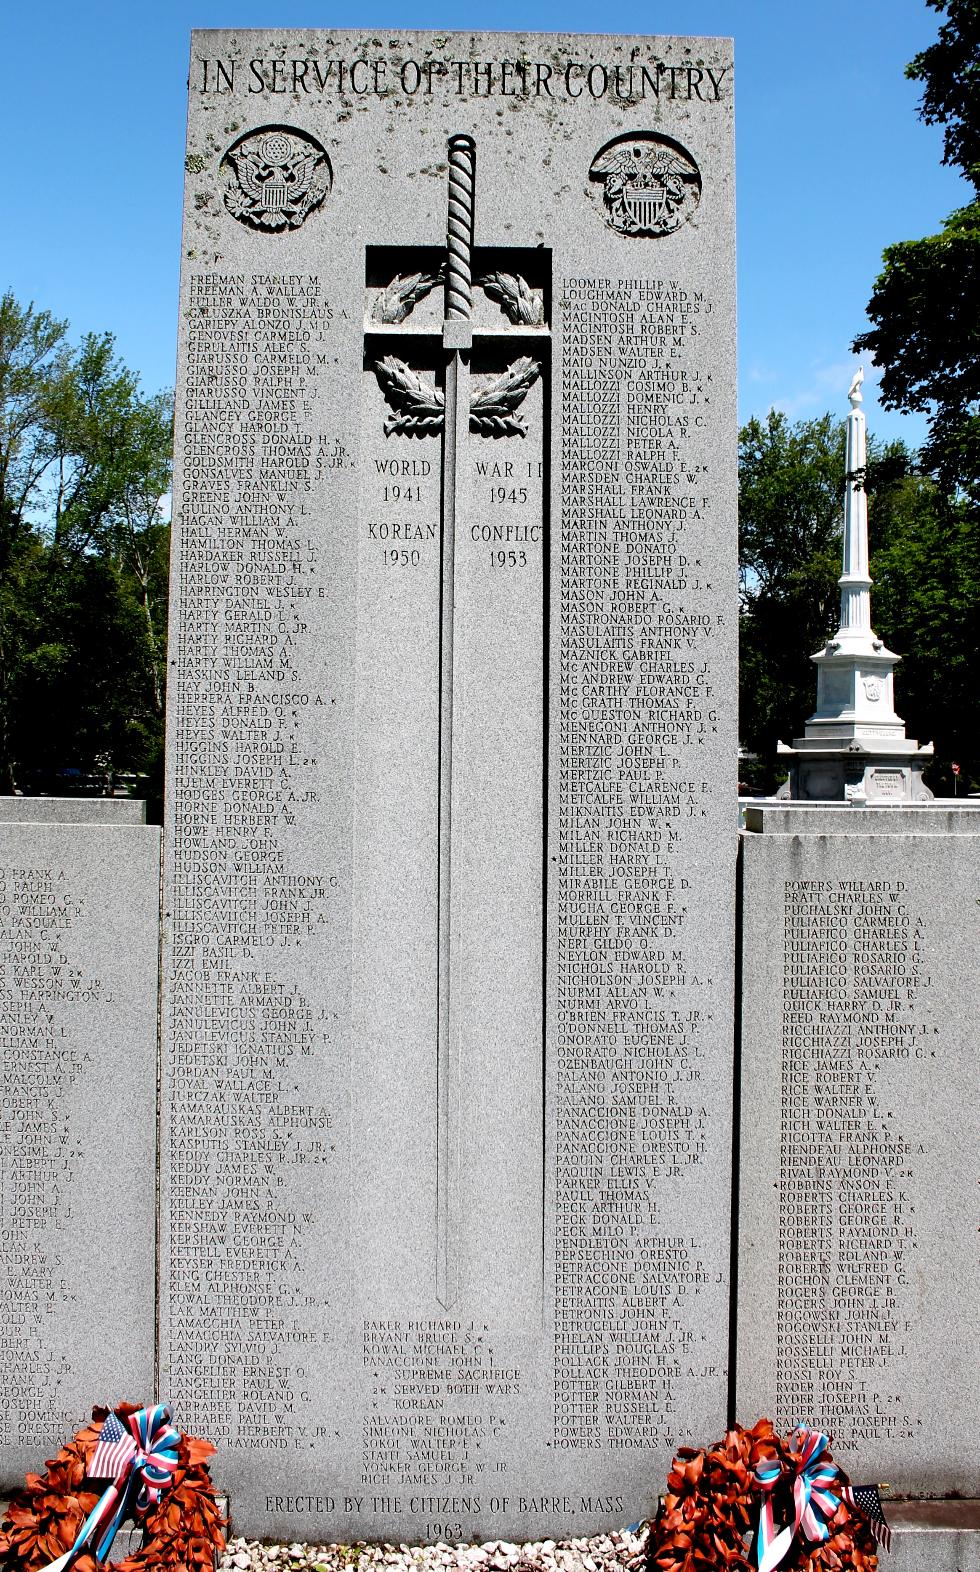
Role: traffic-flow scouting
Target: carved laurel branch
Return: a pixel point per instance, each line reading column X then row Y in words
column 521, row 304
column 403, row 294
column 491, row 410
column 419, row 406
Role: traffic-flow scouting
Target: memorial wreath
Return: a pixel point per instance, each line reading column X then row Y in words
column 139, row 1450
column 754, row 1500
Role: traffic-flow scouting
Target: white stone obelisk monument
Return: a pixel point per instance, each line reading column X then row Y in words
column 854, row 747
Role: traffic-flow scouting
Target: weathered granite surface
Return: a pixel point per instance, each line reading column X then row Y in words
column 858, row 1275
column 446, row 1107
column 79, row 927
column 72, row 810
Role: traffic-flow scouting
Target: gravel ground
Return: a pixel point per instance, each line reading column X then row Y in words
column 619, row 1552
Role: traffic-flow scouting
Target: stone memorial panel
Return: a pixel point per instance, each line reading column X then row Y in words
column 448, row 970
column 858, row 1280
column 79, row 944
column 72, row 810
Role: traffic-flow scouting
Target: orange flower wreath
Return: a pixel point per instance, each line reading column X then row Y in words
column 182, row 1531
column 709, row 1516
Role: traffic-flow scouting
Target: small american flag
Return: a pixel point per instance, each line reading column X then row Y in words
column 113, row 1450
column 866, row 1500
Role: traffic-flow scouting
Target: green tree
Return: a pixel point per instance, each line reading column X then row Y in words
column 33, row 357
column 140, row 539
column 791, row 480
column 791, row 511
column 83, row 684
column 925, row 563
column 950, row 69
column 926, row 332
column 84, row 466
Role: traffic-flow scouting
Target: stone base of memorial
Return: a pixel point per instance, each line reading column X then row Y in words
column 822, row 771
column 857, row 1264
column 934, row 1536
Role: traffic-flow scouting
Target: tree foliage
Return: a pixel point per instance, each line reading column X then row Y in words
column 926, row 326
column 925, row 563
column 791, row 479
column 926, row 339
column 950, row 70
column 84, row 469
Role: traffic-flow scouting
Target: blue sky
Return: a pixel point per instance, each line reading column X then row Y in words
column 833, row 163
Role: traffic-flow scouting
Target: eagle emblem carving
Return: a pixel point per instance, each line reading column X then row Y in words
column 275, row 177
column 651, row 185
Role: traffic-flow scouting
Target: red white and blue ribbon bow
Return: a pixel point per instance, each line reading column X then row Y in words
column 139, row 1455
column 814, row 1500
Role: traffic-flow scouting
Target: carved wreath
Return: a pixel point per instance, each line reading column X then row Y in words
column 522, row 305
column 419, row 406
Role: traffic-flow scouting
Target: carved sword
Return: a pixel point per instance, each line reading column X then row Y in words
column 457, row 338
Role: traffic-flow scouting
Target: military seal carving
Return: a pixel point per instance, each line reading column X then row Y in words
column 651, row 184
column 275, row 177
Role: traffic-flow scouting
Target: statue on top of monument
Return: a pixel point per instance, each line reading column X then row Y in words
column 854, row 747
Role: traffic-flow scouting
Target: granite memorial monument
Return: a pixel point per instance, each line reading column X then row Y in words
column 448, row 958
